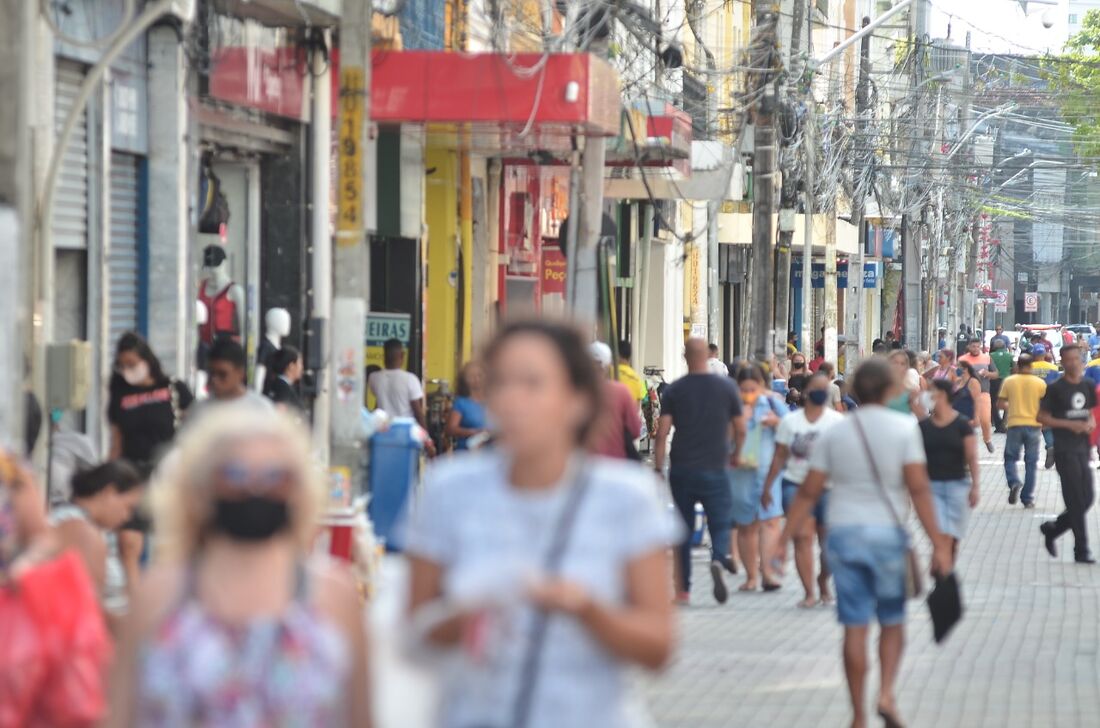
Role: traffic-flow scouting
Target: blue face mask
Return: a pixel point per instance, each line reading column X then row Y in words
column 817, row 397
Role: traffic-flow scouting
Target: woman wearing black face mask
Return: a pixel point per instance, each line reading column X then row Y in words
column 793, row 444
column 796, row 383
column 236, row 627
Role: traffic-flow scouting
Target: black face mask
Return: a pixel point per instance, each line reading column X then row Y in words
column 252, row 518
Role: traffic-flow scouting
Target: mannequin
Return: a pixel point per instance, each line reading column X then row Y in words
column 224, row 299
column 198, row 383
column 276, row 328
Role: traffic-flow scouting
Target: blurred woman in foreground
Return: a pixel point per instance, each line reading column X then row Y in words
column 547, row 566
column 236, row 627
column 54, row 647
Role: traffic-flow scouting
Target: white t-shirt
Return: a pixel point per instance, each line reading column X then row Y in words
column 396, row 390
column 715, row 366
column 490, row 538
column 799, row 434
column 856, row 499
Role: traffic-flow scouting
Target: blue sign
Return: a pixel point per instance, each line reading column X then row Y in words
column 871, row 275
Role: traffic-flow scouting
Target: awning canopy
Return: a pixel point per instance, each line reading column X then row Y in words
column 526, row 99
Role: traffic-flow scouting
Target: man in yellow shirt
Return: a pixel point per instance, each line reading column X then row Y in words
column 627, row 375
column 1020, row 396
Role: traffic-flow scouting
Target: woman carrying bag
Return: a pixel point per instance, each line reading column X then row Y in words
column 541, row 571
column 756, row 526
column 875, row 462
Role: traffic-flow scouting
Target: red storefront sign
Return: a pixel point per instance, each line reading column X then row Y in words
column 553, row 270
column 267, row 79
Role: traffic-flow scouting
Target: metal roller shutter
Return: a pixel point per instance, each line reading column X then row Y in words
column 122, row 262
column 70, row 213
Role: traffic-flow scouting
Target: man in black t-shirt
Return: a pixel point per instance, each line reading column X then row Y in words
column 704, row 409
column 1067, row 410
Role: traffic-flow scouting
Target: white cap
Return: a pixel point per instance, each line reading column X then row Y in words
column 600, row 352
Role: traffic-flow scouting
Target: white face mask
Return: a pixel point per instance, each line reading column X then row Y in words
column 135, row 375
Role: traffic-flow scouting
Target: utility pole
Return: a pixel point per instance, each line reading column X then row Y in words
column 763, row 179
column 321, row 241
column 788, row 192
column 912, row 229
column 17, row 38
column 857, row 317
column 830, row 323
column 351, row 259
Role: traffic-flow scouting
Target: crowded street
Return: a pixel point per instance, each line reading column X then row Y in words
column 1024, row 655
column 549, row 363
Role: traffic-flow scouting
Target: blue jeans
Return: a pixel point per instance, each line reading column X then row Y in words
column 1048, row 437
column 1028, row 439
column 711, row 489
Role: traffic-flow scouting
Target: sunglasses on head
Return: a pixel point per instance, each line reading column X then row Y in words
column 248, row 477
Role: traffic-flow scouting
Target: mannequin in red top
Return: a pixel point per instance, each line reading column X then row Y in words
column 224, row 299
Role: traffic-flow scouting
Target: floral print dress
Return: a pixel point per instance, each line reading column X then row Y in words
column 289, row 671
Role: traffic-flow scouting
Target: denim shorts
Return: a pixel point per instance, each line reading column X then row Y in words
column 952, row 501
column 790, row 489
column 746, row 488
column 868, row 564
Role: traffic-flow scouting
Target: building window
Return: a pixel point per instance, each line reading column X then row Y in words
column 1073, row 18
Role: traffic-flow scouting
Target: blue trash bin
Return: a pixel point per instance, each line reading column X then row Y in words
column 393, row 471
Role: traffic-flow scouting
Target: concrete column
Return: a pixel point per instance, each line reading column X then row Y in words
column 16, row 206
column 172, row 188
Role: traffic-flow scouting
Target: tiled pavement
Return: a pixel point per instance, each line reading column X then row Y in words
column 1026, row 654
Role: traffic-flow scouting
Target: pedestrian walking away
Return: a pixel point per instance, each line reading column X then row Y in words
column 619, row 422
column 952, row 453
column 876, row 463
column 1002, row 360
column 236, row 621
column 540, row 570
column 1019, row 398
column 755, row 518
column 1066, row 408
column 985, row 372
column 705, row 411
column 794, row 442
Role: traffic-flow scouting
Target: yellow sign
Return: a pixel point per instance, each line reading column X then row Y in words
column 350, row 224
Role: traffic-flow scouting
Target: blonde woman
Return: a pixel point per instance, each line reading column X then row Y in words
column 234, row 626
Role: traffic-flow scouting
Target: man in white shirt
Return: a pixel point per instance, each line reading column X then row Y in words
column 714, row 364
column 398, row 392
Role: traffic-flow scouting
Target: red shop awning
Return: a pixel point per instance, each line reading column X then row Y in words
column 558, row 93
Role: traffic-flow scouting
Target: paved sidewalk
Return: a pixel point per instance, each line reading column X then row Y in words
column 1025, row 654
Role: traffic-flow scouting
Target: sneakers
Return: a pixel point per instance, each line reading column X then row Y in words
column 1050, row 459
column 721, row 593
column 1047, row 529
column 1084, row 559
column 989, row 445
column 1014, row 494
column 1030, row 505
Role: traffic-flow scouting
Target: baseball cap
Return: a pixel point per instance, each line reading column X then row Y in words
column 1039, row 350
column 600, row 353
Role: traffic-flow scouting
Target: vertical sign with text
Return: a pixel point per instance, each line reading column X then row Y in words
column 350, row 225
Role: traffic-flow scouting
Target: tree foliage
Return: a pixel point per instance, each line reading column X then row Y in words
column 1075, row 76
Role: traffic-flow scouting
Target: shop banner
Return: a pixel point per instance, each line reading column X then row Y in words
column 381, row 327
column 871, row 275
column 553, row 271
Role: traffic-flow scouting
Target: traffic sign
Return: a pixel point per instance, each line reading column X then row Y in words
column 1000, row 304
column 1031, row 302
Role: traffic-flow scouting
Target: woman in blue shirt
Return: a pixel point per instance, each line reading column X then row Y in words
column 467, row 417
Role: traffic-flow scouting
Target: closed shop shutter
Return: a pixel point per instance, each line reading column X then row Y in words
column 70, row 213
column 122, row 262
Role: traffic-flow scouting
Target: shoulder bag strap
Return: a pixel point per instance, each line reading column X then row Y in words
column 874, row 471
column 174, row 400
column 563, row 530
